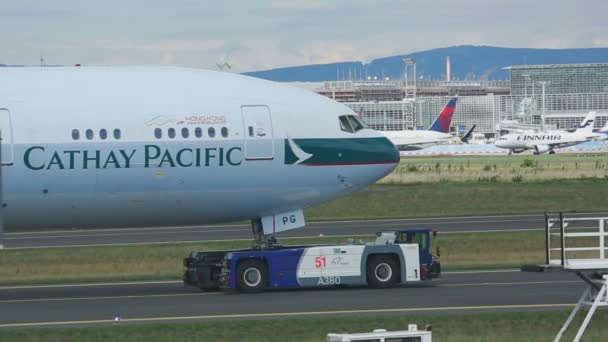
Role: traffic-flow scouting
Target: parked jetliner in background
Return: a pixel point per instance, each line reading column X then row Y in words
column 548, row 141
column 604, row 130
column 437, row 133
column 157, row 146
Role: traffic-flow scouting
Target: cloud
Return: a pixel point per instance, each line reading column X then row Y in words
column 274, row 33
column 33, row 12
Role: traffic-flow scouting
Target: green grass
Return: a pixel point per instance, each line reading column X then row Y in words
column 466, row 198
column 503, row 169
column 526, row 326
column 514, row 159
column 163, row 261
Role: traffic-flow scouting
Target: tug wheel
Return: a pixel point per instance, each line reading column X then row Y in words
column 252, row 276
column 382, row 271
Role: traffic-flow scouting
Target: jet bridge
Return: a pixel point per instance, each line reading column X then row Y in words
column 578, row 244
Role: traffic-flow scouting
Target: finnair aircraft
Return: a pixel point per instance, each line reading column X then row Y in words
column 549, row 141
column 156, row 146
column 438, row 133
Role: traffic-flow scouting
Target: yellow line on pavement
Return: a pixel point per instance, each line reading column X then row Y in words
column 285, row 314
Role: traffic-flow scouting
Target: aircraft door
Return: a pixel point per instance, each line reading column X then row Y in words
column 7, row 136
column 257, row 123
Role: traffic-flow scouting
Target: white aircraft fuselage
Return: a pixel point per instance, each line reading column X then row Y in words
column 419, row 139
column 155, row 146
column 544, row 142
column 549, row 141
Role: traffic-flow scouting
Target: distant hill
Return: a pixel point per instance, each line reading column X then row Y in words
column 468, row 63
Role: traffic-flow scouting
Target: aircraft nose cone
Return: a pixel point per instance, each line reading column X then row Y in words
column 386, row 147
column 499, row 143
column 381, row 157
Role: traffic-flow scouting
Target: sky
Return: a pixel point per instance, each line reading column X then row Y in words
column 255, row 35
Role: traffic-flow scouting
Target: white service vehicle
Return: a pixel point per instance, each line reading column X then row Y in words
column 412, row 334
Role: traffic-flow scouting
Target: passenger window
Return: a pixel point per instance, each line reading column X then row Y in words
column 116, row 134
column 356, row 125
column 171, row 132
column 225, row 132
column 103, row 134
column 158, row 133
column 89, row 134
column 198, row 132
column 75, row 134
column 185, row 132
column 211, row 132
column 345, row 125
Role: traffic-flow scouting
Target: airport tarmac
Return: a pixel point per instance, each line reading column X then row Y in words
column 88, row 237
column 147, row 302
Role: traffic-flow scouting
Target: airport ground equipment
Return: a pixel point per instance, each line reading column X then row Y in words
column 571, row 245
column 412, row 334
column 395, row 257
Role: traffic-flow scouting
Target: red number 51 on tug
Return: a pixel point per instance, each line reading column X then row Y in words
column 395, row 257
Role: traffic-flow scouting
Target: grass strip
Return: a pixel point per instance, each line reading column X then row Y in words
column 466, row 198
column 498, row 169
column 469, row 327
column 164, row 261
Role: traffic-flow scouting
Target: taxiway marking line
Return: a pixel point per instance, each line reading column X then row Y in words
column 224, row 240
column 34, row 300
column 124, row 283
column 67, row 299
column 288, row 314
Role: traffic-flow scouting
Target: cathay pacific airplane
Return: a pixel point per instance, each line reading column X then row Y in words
column 155, row 146
column 437, row 133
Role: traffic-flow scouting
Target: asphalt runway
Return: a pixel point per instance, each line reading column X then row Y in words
column 88, row 237
column 147, row 302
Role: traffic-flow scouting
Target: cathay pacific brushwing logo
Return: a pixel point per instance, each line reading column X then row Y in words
column 294, row 154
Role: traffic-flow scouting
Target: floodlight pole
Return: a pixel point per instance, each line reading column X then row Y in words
column 412, row 62
column 1, row 199
column 542, row 117
column 405, row 75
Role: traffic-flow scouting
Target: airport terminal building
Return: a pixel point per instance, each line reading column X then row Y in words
column 560, row 93
column 565, row 92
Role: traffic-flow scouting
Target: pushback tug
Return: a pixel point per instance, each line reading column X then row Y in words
column 394, row 258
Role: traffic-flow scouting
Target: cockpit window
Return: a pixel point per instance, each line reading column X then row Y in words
column 361, row 121
column 345, row 125
column 352, row 123
column 357, row 126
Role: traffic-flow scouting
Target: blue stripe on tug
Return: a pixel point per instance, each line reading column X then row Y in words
column 282, row 264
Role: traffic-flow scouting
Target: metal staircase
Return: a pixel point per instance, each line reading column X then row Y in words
column 574, row 245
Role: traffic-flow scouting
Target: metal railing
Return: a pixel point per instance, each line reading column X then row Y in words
column 580, row 246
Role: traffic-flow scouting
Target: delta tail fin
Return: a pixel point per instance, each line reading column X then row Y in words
column 587, row 125
column 444, row 119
